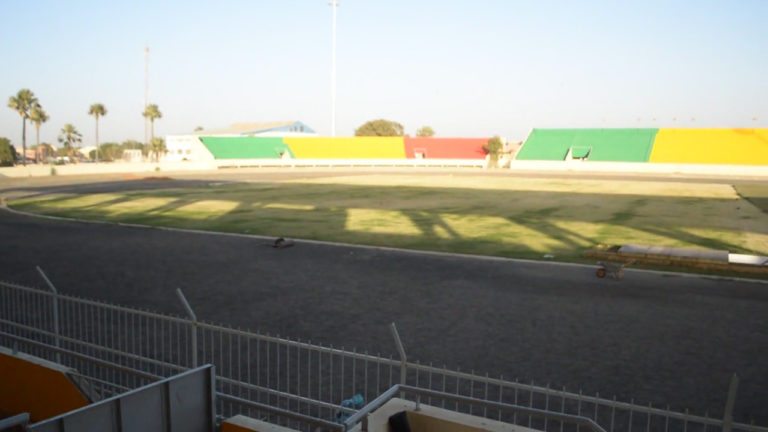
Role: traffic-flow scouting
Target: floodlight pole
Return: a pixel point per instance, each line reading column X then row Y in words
column 146, row 90
column 334, row 4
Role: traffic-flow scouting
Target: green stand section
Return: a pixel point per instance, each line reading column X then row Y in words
column 607, row 145
column 246, row 147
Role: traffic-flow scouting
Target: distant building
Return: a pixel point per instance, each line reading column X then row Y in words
column 188, row 147
column 274, row 129
column 20, row 151
column 132, row 155
column 85, row 152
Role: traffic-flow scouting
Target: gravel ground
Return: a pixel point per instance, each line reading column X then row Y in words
column 667, row 339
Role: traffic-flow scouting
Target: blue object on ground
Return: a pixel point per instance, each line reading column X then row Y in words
column 355, row 402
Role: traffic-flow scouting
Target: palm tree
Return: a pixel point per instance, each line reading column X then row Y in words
column 69, row 136
column 156, row 147
column 152, row 112
column 97, row 110
column 22, row 103
column 37, row 116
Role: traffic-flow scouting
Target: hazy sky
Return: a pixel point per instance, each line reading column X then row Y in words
column 466, row 68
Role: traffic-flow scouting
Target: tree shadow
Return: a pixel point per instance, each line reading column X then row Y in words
column 104, row 187
column 537, row 220
column 322, row 212
column 431, row 225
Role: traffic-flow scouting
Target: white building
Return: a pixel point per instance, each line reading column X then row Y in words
column 189, row 147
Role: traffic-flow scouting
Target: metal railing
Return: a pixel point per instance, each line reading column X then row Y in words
column 17, row 421
column 293, row 376
column 560, row 419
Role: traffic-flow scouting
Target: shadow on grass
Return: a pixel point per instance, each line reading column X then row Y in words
column 756, row 193
column 487, row 222
column 145, row 183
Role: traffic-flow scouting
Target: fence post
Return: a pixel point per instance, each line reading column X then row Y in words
column 56, row 332
column 193, row 325
column 401, row 352
column 729, row 402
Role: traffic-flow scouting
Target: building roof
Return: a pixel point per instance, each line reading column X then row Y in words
column 255, row 128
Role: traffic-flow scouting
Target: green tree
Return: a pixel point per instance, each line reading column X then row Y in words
column 61, row 152
column 108, row 152
column 493, row 148
column 23, row 103
column 425, row 131
column 97, row 110
column 380, row 127
column 152, row 112
column 37, row 116
column 69, row 136
column 133, row 145
column 157, row 147
column 7, row 153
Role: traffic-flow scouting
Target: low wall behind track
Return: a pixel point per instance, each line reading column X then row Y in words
column 292, row 163
column 515, row 166
column 642, row 168
column 103, row 168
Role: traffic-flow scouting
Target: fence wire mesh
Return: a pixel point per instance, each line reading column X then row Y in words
column 298, row 377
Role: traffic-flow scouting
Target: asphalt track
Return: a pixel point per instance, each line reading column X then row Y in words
column 661, row 338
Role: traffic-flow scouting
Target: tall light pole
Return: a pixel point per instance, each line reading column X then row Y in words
column 146, row 89
column 334, row 4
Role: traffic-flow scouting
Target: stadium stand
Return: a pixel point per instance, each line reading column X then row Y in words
column 614, row 145
column 445, row 148
column 680, row 146
column 246, row 147
column 347, row 147
column 711, row 146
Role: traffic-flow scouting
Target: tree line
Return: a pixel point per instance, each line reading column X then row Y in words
column 27, row 105
column 382, row 127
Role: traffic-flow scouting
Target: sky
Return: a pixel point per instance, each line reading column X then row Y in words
column 464, row 68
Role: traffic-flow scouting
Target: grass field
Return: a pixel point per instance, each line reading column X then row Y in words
column 501, row 216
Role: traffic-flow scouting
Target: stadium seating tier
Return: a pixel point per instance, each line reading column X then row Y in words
column 615, row 145
column 245, row 147
column 711, row 146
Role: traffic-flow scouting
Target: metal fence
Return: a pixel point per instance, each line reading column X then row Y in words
column 306, row 380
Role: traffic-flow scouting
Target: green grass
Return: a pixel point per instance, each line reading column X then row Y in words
column 755, row 193
column 511, row 217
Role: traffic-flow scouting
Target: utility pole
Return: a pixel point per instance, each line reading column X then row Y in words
column 334, row 4
column 146, row 90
